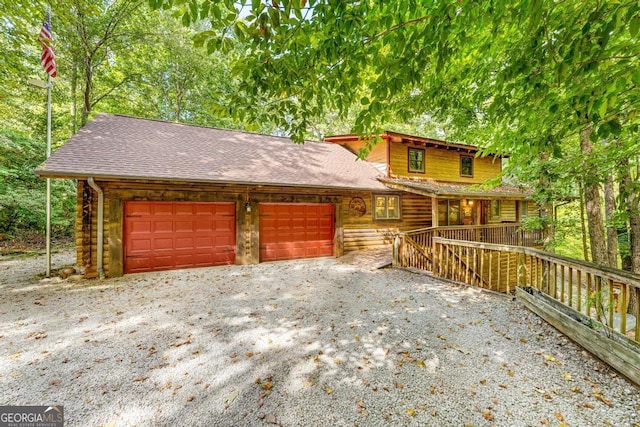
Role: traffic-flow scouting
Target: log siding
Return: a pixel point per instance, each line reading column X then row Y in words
column 353, row 229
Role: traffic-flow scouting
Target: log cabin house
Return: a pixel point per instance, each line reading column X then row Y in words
column 154, row 195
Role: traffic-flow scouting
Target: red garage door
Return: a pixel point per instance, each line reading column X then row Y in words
column 169, row 235
column 296, row 230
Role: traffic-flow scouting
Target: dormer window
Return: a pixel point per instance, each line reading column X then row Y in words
column 466, row 166
column 416, row 160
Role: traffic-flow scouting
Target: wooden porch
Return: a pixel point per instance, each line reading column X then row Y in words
column 414, row 249
column 592, row 304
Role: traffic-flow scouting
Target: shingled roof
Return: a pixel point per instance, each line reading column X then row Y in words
column 121, row 147
column 431, row 188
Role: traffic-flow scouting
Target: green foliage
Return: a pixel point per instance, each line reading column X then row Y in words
column 22, row 193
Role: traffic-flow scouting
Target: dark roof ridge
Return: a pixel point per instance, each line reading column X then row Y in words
column 207, row 127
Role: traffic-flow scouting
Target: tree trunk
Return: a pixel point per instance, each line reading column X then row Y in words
column 624, row 184
column 629, row 201
column 634, row 223
column 547, row 212
column 583, row 224
column 74, row 95
column 612, row 232
column 88, row 82
column 593, row 202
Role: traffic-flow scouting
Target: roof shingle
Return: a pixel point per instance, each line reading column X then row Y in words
column 431, row 188
column 115, row 146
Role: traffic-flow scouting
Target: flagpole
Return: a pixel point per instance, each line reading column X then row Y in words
column 48, row 210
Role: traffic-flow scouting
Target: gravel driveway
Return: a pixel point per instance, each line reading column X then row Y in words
column 311, row 342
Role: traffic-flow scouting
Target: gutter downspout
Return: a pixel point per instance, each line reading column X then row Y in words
column 100, row 222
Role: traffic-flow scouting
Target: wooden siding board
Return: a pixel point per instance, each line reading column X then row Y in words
column 115, row 225
column 442, row 165
column 362, row 232
column 351, row 231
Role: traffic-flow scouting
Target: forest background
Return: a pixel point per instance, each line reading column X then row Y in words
column 555, row 85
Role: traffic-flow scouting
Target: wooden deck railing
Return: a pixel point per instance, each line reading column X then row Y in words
column 598, row 292
column 415, row 248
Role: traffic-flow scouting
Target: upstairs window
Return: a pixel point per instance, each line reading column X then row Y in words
column 387, row 207
column 466, row 166
column 416, row 160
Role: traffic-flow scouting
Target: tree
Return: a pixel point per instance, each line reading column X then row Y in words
column 539, row 80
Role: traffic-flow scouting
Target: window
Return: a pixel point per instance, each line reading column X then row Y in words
column 495, row 208
column 416, row 160
column 387, row 207
column 524, row 209
column 448, row 212
column 466, row 166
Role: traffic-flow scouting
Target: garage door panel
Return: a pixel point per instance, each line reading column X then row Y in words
column 169, row 235
column 290, row 231
column 165, row 209
column 184, row 226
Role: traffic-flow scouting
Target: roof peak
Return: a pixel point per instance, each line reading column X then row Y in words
column 202, row 126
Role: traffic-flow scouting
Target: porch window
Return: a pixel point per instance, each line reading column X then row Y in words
column 449, row 212
column 466, row 166
column 524, row 209
column 495, row 209
column 416, row 160
column 387, row 207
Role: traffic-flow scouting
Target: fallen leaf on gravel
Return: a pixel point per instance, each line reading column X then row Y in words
column 411, row 412
column 37, row 335
column 267, row 385
column 233, row 396
column 421, row 364
column 54, row 382
column 139, row 379
column 233, row 356
column 483, row 381
column 588, row 405
column 502, row 385
column 271, row 419
column 328, row 390
column 559, row 416
column 523, row 340
column 190, row 398
column 398, row 385
column 487, row 415
column 602, row 399
column 552, row 359
column 442, row 337
column 567, row 376
column 248, row 354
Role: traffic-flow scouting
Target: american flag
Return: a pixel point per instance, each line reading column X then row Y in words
column 47, row 59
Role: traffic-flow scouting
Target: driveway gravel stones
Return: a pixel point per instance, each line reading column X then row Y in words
column 308, row 342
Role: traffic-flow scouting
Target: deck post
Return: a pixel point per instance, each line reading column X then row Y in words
column 522, row 269
column 396, row 250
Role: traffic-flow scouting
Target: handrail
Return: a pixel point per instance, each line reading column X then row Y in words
column 600, row 292
column 414, row 247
